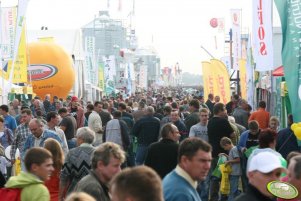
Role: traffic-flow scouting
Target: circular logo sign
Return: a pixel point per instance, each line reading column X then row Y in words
column 41, row 71
column 282, row 190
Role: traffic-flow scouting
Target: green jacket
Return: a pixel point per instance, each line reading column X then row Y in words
column 33, row 187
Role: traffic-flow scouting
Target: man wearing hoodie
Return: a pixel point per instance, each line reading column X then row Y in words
column 39, row 166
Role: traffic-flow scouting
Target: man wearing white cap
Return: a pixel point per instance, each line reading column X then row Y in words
column 263, row 168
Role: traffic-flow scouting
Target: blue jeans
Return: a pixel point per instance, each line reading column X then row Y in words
column 71, row 143
column 233, row 179
column 141, row 154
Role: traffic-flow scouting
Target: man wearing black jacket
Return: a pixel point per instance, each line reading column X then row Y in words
column 162, row 156
column 146, row 130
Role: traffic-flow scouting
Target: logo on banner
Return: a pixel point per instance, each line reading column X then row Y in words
column 41, row 71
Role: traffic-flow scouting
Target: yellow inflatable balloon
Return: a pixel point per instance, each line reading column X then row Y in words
column 50, row 70
column 297, row 132
column 293, row 126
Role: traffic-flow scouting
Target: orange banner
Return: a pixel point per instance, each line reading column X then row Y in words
column 221, row 80
column 243, row 78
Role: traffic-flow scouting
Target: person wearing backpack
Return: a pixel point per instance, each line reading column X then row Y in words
column 29, row 186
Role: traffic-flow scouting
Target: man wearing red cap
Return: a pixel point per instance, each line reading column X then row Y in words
column 77, row 111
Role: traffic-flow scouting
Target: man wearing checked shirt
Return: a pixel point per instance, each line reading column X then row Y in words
column 21, row 134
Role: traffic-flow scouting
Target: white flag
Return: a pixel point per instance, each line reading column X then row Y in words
column 262, row 35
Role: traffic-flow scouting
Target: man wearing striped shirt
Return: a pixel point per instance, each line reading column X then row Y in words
column 21, row 134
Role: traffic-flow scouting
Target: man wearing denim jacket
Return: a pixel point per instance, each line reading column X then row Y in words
column 38, row 136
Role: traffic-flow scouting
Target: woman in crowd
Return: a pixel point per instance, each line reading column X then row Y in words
column 53, row 183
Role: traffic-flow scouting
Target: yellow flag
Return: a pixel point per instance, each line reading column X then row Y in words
column 221, row 80
column 20, row 67
column 243, row 78
column 208, row 79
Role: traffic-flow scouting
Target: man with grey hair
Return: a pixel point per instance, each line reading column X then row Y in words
column 78, row 162
column 38, row 135
column 15, row 108
column 106, row 163
column 147, row 131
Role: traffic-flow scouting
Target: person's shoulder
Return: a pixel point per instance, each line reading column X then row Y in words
column 35, row 192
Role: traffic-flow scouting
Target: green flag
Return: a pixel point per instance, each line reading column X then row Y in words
column 289, row 12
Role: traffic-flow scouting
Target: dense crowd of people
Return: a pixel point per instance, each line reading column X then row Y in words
column 159, row 146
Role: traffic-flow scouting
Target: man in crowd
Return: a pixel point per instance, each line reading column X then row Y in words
column 21, row 134
column 210, row 104
column 39, row 166
column 264, row 168
column 230, row 106
column 175, row 119
column 117, row 131
column 15, row 108
column 147, row 131
column 241, row 114
column 200, row 129
column 95, row 123
column 249, row 138
column 105, row 114
column 38, row 135
column 9, row 121
column 162, row 156
column 136, row 184
column 294, row 175
column 194, row 161
column 166, row 118
column 52, row 119
column 77, row 112
column 106, row 163
column 261, row 116
column 140, row 112
column 218, row 127
column 77, row 163
column 286, row 139
column 193, row 117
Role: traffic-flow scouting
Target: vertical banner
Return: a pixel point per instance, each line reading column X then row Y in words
column 221, row 79
column 208, row 78
column 250, row 74
column 236, row 37
column 263, row 34
column 20, row 69
column 129, row 87
column 109, row 64
column 143, row 77
column 243, row 78
column 22, row 7
column 289, row 12
column 90, row 60
column 7, row 29
column 101, row 83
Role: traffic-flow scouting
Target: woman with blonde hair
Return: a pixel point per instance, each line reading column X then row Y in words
column 53, row 183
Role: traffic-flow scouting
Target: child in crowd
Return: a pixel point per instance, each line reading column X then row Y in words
column 234, row 161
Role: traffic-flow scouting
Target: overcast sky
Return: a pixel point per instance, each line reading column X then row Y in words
column 176, row 28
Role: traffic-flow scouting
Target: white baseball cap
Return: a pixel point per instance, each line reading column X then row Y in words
column 265, row 162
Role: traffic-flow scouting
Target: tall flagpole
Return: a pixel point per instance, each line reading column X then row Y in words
column 1, row 63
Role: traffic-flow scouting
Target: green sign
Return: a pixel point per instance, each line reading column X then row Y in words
column 289, row 12
column 282, row 190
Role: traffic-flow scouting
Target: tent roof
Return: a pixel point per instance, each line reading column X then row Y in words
column 278, row 71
